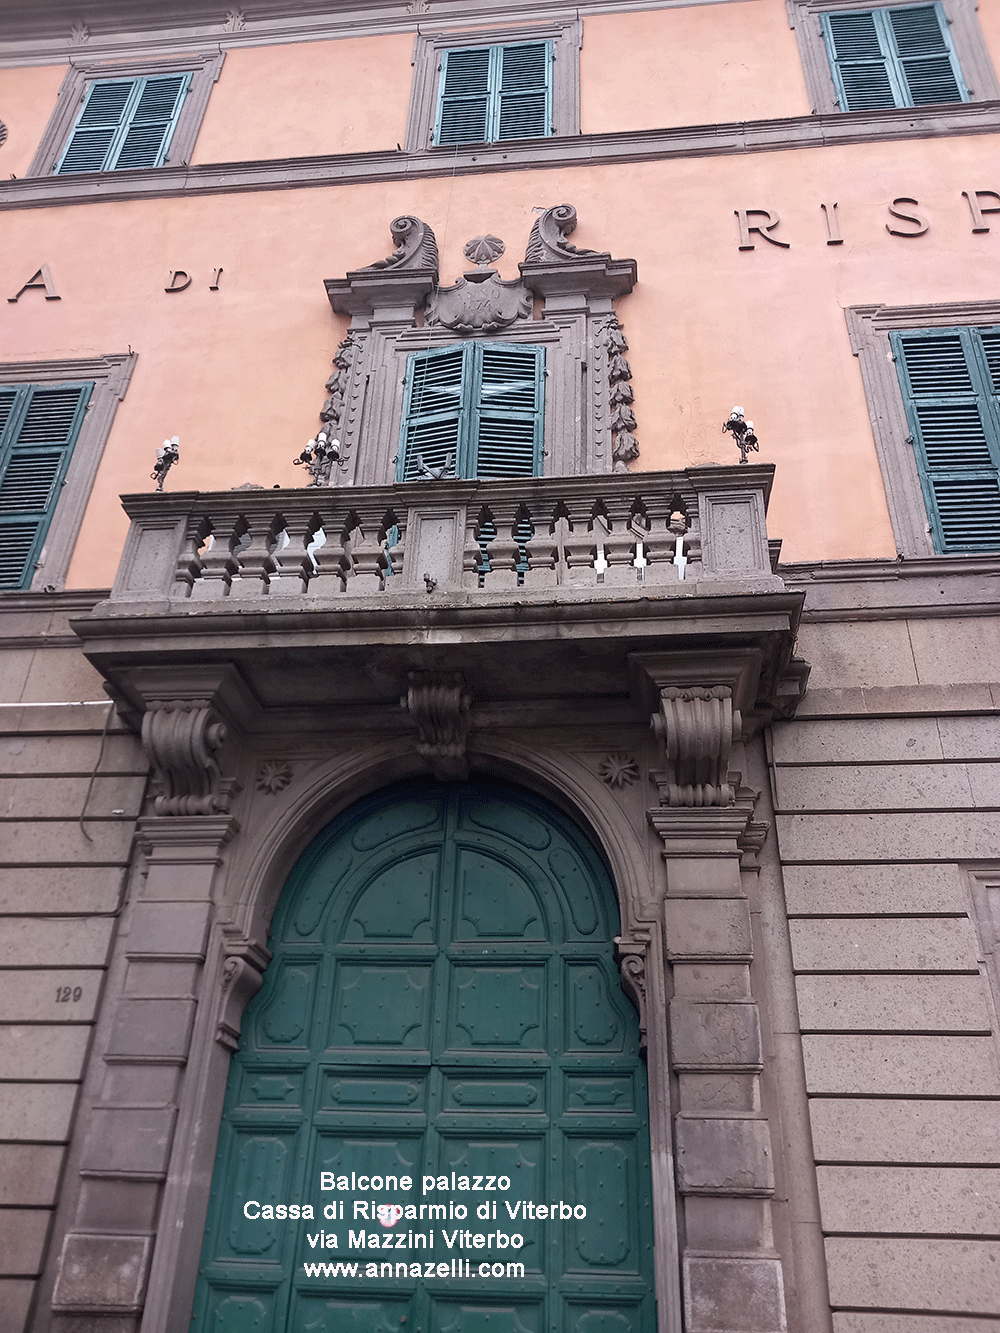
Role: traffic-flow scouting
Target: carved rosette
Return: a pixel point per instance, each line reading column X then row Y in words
column 181, row 738
column 630, row 955
column 697, row 728
column 440, row 706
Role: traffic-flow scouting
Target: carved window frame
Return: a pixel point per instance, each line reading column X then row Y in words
column 966, row 34
column 869, row 327
column 382, row 368
column 110, row 376
column 204, row 70
column 566, row 38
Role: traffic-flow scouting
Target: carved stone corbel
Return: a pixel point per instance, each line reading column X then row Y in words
column 416, row 246
column 395, row 285
column 553, row 267
column 180, row 738
column 630, row 955
column 696, row 727
column 440, row 706
column 242, row 978
column 548, row 241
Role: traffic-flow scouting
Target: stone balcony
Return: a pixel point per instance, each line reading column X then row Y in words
column 539, row 587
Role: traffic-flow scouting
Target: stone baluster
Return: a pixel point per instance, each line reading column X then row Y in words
column 619, row 549
column 327, row 576
column 189, row 562
column 561, row 538
column 581, row 548
column 292, row 567
column 365, row 554
column 218, row 563
column 255, row 561
column 505, row 552
column 543, row 554
column 393, row 552
column 473, row 557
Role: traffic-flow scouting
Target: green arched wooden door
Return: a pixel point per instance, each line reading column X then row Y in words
column 443, row 999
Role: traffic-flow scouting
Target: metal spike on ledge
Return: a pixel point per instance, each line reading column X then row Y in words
column 742, row 433
column 166, row 456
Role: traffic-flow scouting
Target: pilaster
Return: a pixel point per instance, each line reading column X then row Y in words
column 732, row 1275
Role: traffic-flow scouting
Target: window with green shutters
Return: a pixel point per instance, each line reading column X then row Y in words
column 473, row 409
column 124, row 124
column 39, row 425
column 492, row 93
column 950, row 380
column 892, row 57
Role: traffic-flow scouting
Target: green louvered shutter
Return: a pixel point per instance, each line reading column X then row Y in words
column 464, row 102
column 893, row 57
column 39, row 425
column 474, row 410
column 950, row 379
column 435, row 426
column 507, row 420
column 493, row 93
column 124, row 124
column 926, row 56
column 524, row 100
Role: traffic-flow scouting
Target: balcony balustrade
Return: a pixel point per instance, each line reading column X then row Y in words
column 450, row 540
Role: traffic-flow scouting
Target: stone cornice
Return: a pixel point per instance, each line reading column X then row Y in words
column 834, row 130
column 43, row 34
column 935, row 586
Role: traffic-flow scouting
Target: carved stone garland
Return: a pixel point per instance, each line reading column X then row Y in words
column 626, row 446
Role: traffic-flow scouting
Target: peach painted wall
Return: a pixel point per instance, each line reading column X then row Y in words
column 238, row 374
column 348, row 96
column 700, row 65
column 989, row 20
column 27, row 100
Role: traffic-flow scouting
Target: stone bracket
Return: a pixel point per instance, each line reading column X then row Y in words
column 696, row 728
column 630, row 955
column 440, row 705
column 242, row 978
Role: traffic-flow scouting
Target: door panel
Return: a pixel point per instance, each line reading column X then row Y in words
column 443, row 998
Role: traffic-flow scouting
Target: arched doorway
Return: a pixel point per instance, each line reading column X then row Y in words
column 443, row 1002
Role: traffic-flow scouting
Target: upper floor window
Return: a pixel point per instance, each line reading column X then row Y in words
column 494, row 85
column 473, row 409
column 39, row 425
column 55, row 417
column 120, row 117
column 892, row 58
column 490, row 93
column 950, row 379
column 125, row 123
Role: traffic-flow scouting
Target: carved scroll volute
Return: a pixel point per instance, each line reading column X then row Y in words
column 548, row 242
column 630, row 955
column 440, row 707
column 242, row 978
column 180, row 738
column 697, row 728
column 416, row 247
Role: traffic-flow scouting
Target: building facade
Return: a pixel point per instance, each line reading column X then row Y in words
column 544, row 794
